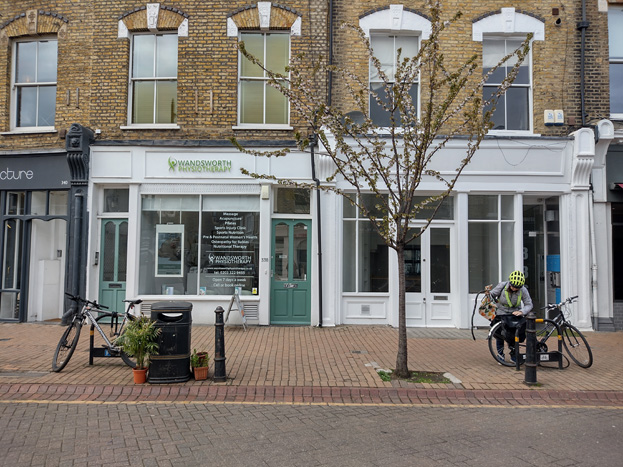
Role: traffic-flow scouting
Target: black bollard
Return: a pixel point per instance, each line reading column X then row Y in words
column 531, row 363
column 220, row 375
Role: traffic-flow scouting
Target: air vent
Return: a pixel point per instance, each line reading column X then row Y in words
column 365, row 310
column 251, row 311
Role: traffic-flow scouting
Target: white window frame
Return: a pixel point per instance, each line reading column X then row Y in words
column 529, row 86
column 616, row 60
column 264, row 79
column 396, row 21
column 15, row 88
column 511, row 24
column 131, row 80
column 417, row 78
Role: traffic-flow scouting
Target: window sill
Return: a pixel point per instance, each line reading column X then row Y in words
column 261, row 127
column 30, row 131
column 512, row 133
column 616, row 117
column 163, row 126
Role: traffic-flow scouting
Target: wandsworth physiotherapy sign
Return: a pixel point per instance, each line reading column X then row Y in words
column 199, row 165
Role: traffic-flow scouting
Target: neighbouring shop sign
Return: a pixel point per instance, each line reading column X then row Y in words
column 230, row 246
column 34, row 172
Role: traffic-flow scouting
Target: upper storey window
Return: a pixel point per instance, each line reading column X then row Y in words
column 260, row 103
column 153, row 80
column 389, row 49
column 512, row 111
column 34, row 84
column 615, row 36
column 501, row 34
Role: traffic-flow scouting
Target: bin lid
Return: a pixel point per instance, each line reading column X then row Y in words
column 173, row 306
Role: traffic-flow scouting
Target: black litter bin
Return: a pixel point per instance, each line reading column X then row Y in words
column 172, row 364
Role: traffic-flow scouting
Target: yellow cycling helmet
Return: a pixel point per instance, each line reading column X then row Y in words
column 517, row 279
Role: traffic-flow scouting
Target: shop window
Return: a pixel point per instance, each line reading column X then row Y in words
column 491, row 239
column 615, row 36
column 445, row 211
column 259, row 103
column 292, row 200
column 34, row 84
column 617, row 250
column 365, row 254
column 512, row 111
column 390, row 50
column 199, row 245
column 153, row 79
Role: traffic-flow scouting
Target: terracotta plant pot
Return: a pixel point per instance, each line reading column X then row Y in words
column 201, row 373
column 140, row 375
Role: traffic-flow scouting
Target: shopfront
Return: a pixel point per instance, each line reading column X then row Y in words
column 33, row 240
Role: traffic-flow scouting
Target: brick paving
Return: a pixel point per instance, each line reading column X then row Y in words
column 311, row 366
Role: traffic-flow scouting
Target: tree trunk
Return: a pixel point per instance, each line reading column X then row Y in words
column 402, row 362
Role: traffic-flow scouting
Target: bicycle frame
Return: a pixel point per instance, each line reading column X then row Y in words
column 88, row 316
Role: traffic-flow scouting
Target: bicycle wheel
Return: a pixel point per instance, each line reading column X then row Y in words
column 125, row 357
column 496, row 333
column 67, row 345
column 576, row 346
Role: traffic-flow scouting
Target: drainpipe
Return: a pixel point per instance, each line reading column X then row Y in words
column 312, row 145
column 582, row 26
column 591, row 223
column 330, row 82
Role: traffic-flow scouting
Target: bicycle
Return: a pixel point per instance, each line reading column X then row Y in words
column 573, row 340
column 69, row 340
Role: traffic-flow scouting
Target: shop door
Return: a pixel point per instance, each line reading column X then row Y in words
column 428, row 279
column 290, row 295
column 113, row 262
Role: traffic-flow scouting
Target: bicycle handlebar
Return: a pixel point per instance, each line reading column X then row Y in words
column 558, row 305
column 79, row 299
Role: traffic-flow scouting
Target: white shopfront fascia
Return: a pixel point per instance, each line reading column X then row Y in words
column 188, row 171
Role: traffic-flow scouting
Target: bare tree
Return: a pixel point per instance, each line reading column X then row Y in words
column 392, row 161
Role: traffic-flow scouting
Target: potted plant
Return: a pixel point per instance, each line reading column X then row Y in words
column 199, row 362
column 140, row 340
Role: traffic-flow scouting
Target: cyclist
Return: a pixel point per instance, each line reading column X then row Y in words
column 510, row 296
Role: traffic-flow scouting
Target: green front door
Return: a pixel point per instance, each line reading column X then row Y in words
column 290, row 295
column 113, row 262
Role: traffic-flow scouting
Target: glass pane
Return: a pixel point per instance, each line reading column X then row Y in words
column 235, row 203
column 9, row 305
column 440, row 260
column 143, row 56
column 116, row 200
column 374, row 204
column 143, row 102
column 373, row 260
column 517, row 107
column 108, row 252
column 11, row 266
column 166, row 63
column 413, row 266
column 254, row 43
column 408, row 46
column 383, row 48
column 251, row 102
column 378, row 114
column 508, row 207
column 25, row 62
column 445, row 211
column 498, row 118
column 277, row 52
column 483, row 255
column 292, row 200
column 38, row 203
column 482, row 207
column 46, row 62
column 122, row 261
column 349, row 256
column 615, row 31
column 492, row 52
column 508, row 248
column 47, row 105
column 299, row 268
column 26, row 107
column 616, row 89
column 276, row 106
column 15, row 203
column 282, row 246
column 348, row 208
column 166, row 101
column 58, row 203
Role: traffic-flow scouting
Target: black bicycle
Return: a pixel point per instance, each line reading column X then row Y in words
column 573, row 340
column 93, row 312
